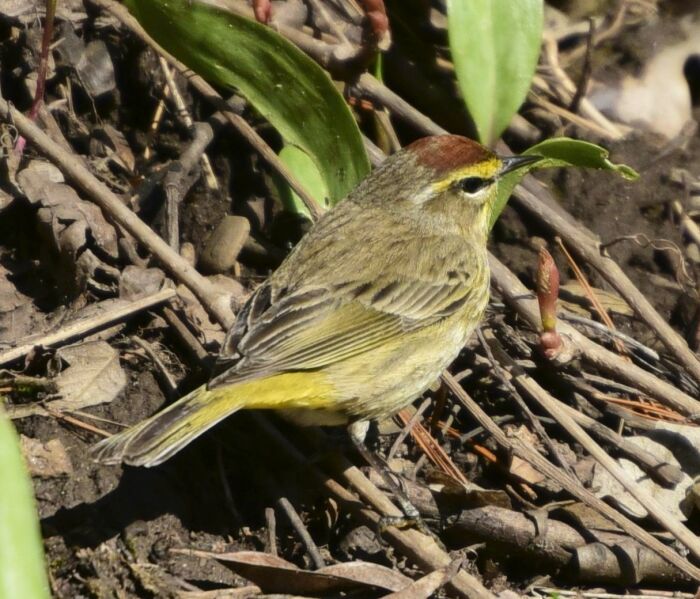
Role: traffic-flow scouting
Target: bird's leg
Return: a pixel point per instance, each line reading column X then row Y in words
column 357, row 432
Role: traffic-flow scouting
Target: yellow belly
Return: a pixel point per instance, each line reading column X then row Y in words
column 380, row 382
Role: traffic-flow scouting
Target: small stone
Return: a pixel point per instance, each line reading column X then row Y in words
column 224, row 244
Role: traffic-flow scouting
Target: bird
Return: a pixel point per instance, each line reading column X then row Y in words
column 364, row 314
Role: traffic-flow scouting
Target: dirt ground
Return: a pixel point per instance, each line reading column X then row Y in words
column 111, row 531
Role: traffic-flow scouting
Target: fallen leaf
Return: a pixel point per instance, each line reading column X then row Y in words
column 524, row 471
column 93, row 376
column 427, row 585
column 92, row 62
column 673, row 499
column 574, row 297
column 70, row 226
column 276, row 575
column 233, row 292
column 35, row 175
column 109, row 142
column 18, row 315
column 136, row 282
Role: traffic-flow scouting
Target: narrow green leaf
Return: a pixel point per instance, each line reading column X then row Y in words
column 560, row 152
column 306, row 171
column 22, row 570
column 495, row 45
column 288, row 88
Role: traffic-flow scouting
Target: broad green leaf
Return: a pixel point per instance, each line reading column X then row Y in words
column 288, row 88
column 22, row 570
column 559, row 152
column 495, row 45
column 564, row 151
column 306, row 171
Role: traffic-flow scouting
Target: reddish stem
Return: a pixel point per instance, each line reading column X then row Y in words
column 44, row 58
column 43, row 68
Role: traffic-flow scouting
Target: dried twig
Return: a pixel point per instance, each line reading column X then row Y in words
column 559, row 543
column 659, row 513
column 271, row 522
column 590, row 294
column 182, row 111
column 527, row 453
column 488, row 342
column 436, row 454
column 420, row 548
column 408, row 423
column 311, row 547
column 567, row 88
column 115, row 210
column 523, row 302
column 212, row 96
column 533, row 196
column 663, row 472
column 536, row 199
column 85, row 327
column 168, row 382
column 177, row 180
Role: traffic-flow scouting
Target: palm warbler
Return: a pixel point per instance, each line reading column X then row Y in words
column 366, row 311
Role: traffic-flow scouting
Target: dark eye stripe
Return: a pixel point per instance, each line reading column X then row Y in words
column 473, row 184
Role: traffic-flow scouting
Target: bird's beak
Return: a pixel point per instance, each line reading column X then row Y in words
column 512, row 163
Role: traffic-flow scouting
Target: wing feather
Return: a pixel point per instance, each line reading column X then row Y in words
column 288, row 325
column 303, row 331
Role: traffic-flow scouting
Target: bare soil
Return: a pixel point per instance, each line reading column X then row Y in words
column 109, row 531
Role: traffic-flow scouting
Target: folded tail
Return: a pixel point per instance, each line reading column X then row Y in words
column 156, row 439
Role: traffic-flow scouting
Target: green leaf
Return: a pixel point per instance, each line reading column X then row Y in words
column 288, row 88
column 559, row 152
column 495, row 45
column 306, row 171
column 564, row 151
column 22, row 570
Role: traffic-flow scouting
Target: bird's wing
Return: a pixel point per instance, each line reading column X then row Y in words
column 312, row 327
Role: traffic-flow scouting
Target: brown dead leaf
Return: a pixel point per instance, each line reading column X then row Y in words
column 276, row 575
column 673, row 442
column 136, row 282
column 35, row 175
column 93, row 376
column 18, row 315
column 369, row 574
column 427, row 585
column 65, row 208
column 92, row 62
column 108, row 142
column 525, row 472
column 74, row 232
column 573, row 297
column 228, row 288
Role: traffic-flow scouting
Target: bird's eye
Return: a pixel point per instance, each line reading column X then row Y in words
column 473, row 184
